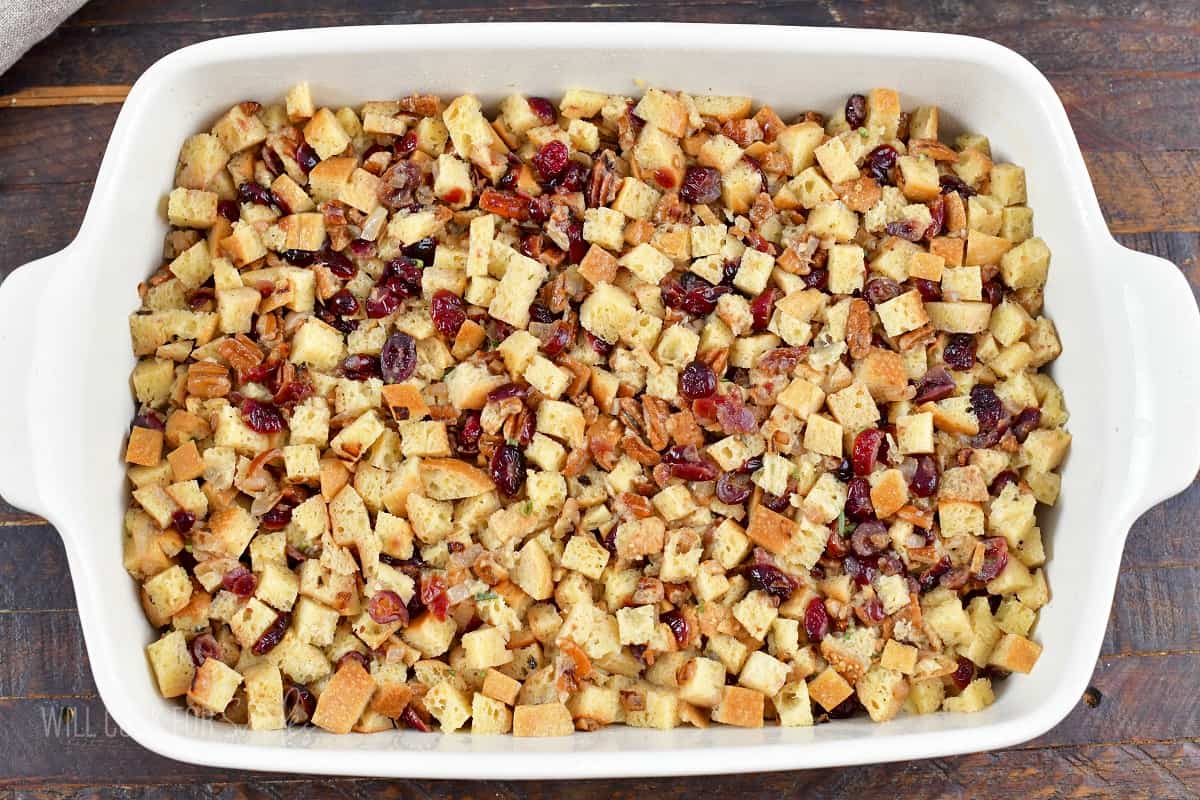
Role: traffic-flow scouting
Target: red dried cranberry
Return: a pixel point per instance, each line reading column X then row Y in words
column 543, row 109
column 256, row 193
column 995, row 558
column 577, row 248
column 507, row 390
column 963, row 674
column 538, row 312
column 229, row 210
column 866, row 450
column 879, row 163
column 905, row 229
column 344, row 304
column 336, row 263
column 240, row 581
column 694, row 471
column 386, row 607
column 924, row 481
column 936, row 384
column 816, row 620
column 601, row 347
column 858, row 500
column 469, row 431
column 837, row 546
column 697, row 380
column 551, row 159
column 423, row 250
column 861, row 569
column 880, row 290
column 734, row 488
column 678, row 625
column 856, row 110
column 573, row 178
column 930, row 577
column 402, row 276
column 411, row 719
column 937, row 213
column 1001, row 480
column 816, row 278
column 952, row 183
column 701, row 185
column 277, row 518
column 930, row 291
column 762, row 307
column 874, row 610
column 262, row 417
column 183, row 520
column 507, row 468
column 381, row 302
column 306, row 157
column 1026, row 422
column 987, row 406
column 433, row 596
column 527, row 429
column 406, row 145
column 844, row 471
column 204, row 647
column 298, row 705
column 959, row 353
column 352, row 655
column 777, row 502
column 733, row 416
column 890, row 564
column 752, row 464
column 398, row 358
column 729, row 271
column 362, row 248
column 540, row 208
column 870, row 538
column 299, row 258
column 361, row 367
column 771, row 580
column 448, row 313
column 993, row 292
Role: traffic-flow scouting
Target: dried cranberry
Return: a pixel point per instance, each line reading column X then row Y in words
column 543, row 109
column 573, row 178
column 1001, row 480
column 936, row 384
column 229, row 210
column 381, row 302
column 733, row 416
column 694, row 471
column 678, row 625
column 777, row 502
column 256, row 193
column 987, row 406
column 930, row 291
column 905, row 229
column 856, row 110
column 343, row 303
column 762, row 307
column 469, row 431
column 880, row 290
column 771, row 580
column 433, row 596
column 448, row 313
column 402, row 276
column 406, row 145
column 277, row 518
column 734, row 488
column 870, row 538
column 836, row 546
column 299, row 258
column 262, row 417
column 551, row 158
column 816, row 620
column 398, row 358
column 858, row 500
column 701, row 185
column 352, row 655
column 240, row 581
column 337, row 263
column 412, row 719
column 204, row 647
column 879, row 163
column 924, row 481
column 844, row 471
column 959, row 353
column 306, row 157
column 937, row 214
column 183, row 520
column 993, row 292
column 423, row 250
column 995, row 558
column 952, row 183
column 817, row 278
column 386, row 607
column 703, row 299
column 866, row 450
column 577, row 247
column 890, row 564
column 601, row 347
column 1026, row 422
column 361, row 367
column 963, row 674
column 861, row 569
column 697, row 380
column 508, row 469
column 507, row 390
column 849, row 707
column 874, row 610
column 298, row 705
column 538, row 312
column 930, row 577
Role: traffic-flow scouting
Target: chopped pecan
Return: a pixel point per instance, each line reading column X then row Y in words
column 921, row 337
column 636, row 449
column 603, row 437
column 241, row 353
column 578, row 460
column 423, row 105
column 630, row 413
column 684, row 430
column 581, row 375
column 649, row 591
column 670, row 209
column 762, row 210
column 932, row 148
column 656, row 413
column 444, row 413
column 638, row 505
column 858, row 328
column 769, row 122
column 743, row 131
column 602, row 186
column 207, row 379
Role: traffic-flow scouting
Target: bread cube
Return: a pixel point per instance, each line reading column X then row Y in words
column 544, row 719
column 562, row 421
column 919, row 178
column 829, row 689
column 681, row 556
column 171, row 661
column 853, row 408
column 489, row 716
column 1045, row 449
column 547, row 378
column 925, row 696
column 960, row 317
column 899, row 657
column 605, row 227
column 1008, row 184
column 318, row 345
column 756, row 612
column 882, row 692
column 264, row 697
column 344, row 698
column 635, row 199
column 836, row 161
column 636, row 625
column 213, row 686
column 486, row 647
column 429, row 634
column 585, row 555
column 977, row 696
column 763, row 673
column 833, row 220
column 740, row 707
column 240, row 128
column 753, row 271
column 793, row 705
column 797, row 143
column 949, row 621
column 517, row 289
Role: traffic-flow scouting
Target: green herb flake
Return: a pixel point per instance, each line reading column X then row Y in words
column 485, row 596
column 863, row 132
column 842, row 523
column 527, row 509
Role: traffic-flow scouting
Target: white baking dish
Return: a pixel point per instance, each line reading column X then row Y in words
column 1128, row 323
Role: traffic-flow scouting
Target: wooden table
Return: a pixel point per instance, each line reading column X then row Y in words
column 1130, row 79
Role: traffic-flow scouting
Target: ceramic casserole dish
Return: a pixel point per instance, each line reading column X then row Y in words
column 1124, row 318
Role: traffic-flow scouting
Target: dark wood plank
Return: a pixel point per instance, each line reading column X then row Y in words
column 1166, row 533
column 33, row 569
column 46, row 655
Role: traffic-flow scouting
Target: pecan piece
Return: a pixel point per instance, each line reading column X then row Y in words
column 208, row 380
column 858, row 328
column 602, row 186
column 656, row 414
column 577, row 462
column 636, row 449
column 684, row 429
column 932, row 148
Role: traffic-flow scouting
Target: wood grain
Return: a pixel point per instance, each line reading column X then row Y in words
column 1128, row 74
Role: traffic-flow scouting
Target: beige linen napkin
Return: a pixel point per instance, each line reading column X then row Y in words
column 23, row 23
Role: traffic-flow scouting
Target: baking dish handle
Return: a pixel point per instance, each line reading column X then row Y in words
column 1165, row 332
column 20, row 299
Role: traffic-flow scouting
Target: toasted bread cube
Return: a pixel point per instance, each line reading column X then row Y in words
column 544, row 719
column 1008, row 184
column 756, row 612
column 636, row 625
column 704, row 682
column 899, row 657
column 1045, row 449
column 239, row 129
column 826, row 498
column 829, row 689
column 903, row 313
column 169, row 591
column 584, row 554
column 798, row 144
column 489, row 716
column 763, row 673
column 882, row 692
column 500, row 687
column 681, row 556
column 547, row 378
column 318, row 345
column 562, row 421
column 720, row 152
column 753, row 272
column 201, row 159
column 264, row 697
column 325, row 134
column 949, row 620
column 145, row 447
column 740, row 707
column 674, row 502
column 914, row 433
column 605, row 227
column 925, row 696
column 581, row 103
column 453, row 183
column 804, row 399
column 793, row 705
column 486, row 647
column 635, row 199
column 961, row 317
column 429, row 634
column 919, row 178
column 647, row 263
column 192, row 208
column 706, row 240
column 517, row 289
column 171, row 661
column 853, row 408
column 833, row 220
column 299, row 102
column 836, row 161
column 344, row 699
column 889, row 493
column 213, row 686
column 976, row 697
column 1016, row 223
